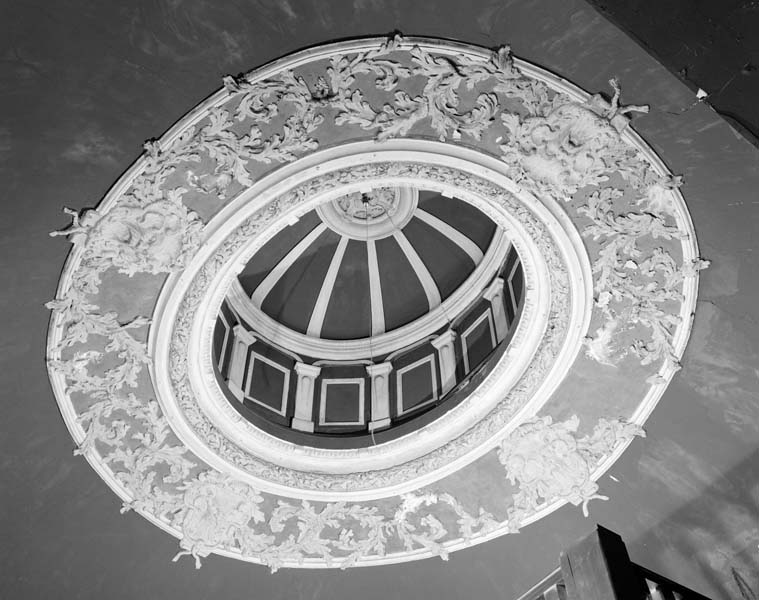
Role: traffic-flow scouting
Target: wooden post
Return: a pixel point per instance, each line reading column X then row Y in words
column 599, row 568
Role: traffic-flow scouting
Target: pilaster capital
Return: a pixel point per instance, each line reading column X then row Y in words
column 494, row 290
column 305, row 370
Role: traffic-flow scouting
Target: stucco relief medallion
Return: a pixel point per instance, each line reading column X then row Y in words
column 351, row 129
column 369, row 206
column 371, row 213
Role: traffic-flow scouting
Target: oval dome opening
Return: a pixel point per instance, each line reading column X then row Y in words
column 368, row 318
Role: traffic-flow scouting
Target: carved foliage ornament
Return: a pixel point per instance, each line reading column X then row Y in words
column 555, row 141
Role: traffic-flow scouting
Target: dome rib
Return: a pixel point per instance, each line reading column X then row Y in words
column 280, row 268
column 420, row 270
column 292, row 300
column 348, row 313
column 375, row 289
column 316, row 322
column 453, row 234
column 448, row 263
column 473, row 224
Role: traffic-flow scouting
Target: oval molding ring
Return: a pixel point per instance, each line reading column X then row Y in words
column 318, row 473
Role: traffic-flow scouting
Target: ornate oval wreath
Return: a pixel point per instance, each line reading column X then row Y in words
column 607, row 246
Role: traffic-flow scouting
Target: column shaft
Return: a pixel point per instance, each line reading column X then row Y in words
column 242, row 339
column 304, row 397
column 380, row 375
column 444, row 345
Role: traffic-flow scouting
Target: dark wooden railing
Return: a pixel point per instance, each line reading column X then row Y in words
column 550, row 588
column 661, row 588
column 599, row 568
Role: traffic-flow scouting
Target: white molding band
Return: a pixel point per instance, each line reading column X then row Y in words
column 442, row 159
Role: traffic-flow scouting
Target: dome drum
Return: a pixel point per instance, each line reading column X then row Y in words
column 277, row 389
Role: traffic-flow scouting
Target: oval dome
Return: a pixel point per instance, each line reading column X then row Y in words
column 367, row 263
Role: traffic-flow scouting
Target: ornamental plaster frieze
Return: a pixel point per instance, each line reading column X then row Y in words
column 212, row 512
column 550, row 462
column 610, row 260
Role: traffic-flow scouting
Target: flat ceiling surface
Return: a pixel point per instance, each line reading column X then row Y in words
column 85, row 83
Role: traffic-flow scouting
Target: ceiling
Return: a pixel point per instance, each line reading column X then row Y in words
column 419, row 263
column 85, row 84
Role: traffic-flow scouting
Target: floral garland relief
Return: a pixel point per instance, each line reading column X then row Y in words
column 552, row 144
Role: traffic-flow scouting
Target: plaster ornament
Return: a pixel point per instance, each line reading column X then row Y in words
column 217, row 511
column 366, row 207
column 152, row 237
column 550, row 462
column 600, row 347
column 657, row 199
column 568, row 147
column 556, row 142
column 82, row 321
column 639, row 298
column 214, row 511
